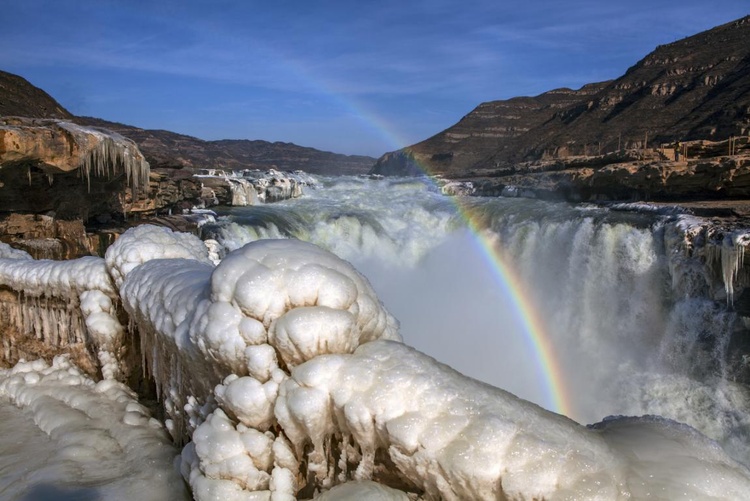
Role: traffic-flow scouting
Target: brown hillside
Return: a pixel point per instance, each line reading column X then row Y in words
column 171, row 150
column 487, row 128
column 18, row 97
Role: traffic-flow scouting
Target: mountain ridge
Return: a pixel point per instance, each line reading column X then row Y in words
column 694, row 88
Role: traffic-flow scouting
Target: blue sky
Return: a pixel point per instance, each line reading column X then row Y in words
column 354, row 76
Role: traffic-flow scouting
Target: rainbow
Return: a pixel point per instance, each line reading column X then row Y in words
column 540, row 343
column 558, row 397
column 548, row 367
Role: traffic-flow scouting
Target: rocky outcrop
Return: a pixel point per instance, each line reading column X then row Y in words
column 45, row 237
column 59, row 146
column 690, row 90
column 74, row 171
column 635, row 175
column 68, row 190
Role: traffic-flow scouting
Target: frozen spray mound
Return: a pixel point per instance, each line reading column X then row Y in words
column 220, row 340
column 283, row 371
column 146, row 243
column 69, row 437
column 389, row 409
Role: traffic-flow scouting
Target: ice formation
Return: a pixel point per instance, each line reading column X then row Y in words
column 388, row 408
column 8, row 252
column 243, row 192
column 220, row 340
column 251, row 187
column 64, row 303
column 110, row 154
column 723, row 249
column 286, row 376
column 145, row 243
column 105, row 331
column 69, row 437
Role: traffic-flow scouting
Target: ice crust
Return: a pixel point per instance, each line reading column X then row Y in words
column 109, row 155
column 63, row 279
column 286, row 376
column 145, row 243
column 99, row 439
column 8, row 252
column 456, row 438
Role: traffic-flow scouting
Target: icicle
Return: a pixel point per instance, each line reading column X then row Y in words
column 111, row 155
column 730, row 255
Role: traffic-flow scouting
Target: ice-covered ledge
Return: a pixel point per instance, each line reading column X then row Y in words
column 63, row 307
column 68, row 171
column 287, row 376
column 59, row 146
column 251, row 187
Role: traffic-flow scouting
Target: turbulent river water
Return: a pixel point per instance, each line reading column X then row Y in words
column 619, row 305
column 583, row 310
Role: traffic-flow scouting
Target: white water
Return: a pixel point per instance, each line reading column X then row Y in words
column 622, row 307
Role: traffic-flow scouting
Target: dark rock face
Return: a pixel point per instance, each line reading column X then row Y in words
column 46, row 237
column 693, row 89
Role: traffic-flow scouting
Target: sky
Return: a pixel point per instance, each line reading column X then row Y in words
column 349, row 76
